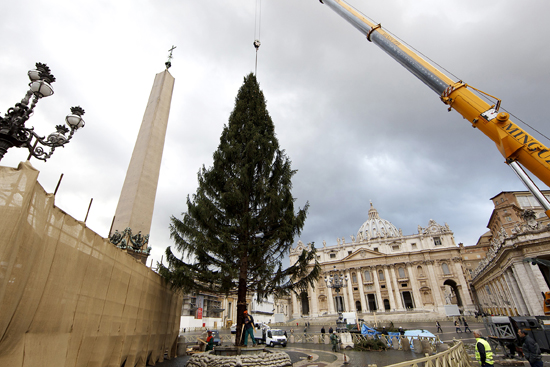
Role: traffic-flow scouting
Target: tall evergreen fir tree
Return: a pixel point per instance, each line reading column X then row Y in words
column 241, row 222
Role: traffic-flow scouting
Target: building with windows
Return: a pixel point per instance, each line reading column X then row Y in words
column 507, row 282
column 388, row 274
column 213, row 311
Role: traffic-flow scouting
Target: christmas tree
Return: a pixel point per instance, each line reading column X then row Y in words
column 241, row 223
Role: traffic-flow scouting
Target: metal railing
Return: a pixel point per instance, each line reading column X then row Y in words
column 456, row 356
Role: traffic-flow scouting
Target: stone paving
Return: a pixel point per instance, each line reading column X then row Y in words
column 323, row 357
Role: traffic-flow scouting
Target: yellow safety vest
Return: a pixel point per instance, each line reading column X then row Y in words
column 488, row 351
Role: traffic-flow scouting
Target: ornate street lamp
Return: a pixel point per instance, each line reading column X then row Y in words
column 14, row 133
column 336, row 280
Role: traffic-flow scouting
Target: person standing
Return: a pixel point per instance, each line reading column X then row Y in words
column 531, row 349
column 323, row 330
column 334, row 340
column 209, row 342
column 484, row 354
column 330, row 330
column 439, row 329
column 457, row 327
column 248, row 328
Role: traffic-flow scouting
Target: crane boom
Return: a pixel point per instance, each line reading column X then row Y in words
column 514, row 144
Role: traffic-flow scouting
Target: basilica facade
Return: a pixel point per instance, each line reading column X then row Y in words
column 387, row 274
column 514, row 276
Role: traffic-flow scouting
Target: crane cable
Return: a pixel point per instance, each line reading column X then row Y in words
column 257, row 27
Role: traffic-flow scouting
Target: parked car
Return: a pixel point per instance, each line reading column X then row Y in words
column 275, row 337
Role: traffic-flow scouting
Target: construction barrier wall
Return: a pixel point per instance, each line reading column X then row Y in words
column 68, row 297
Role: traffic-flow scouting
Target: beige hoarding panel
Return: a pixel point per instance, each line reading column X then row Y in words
column 68, row 297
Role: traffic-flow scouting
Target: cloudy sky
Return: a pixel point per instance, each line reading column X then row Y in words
column 356, row 125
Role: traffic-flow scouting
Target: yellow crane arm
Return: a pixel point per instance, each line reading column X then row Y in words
column 513, row 143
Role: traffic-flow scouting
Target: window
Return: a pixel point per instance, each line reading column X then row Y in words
column 413, row 246
column 349, row 252
column 527, row 201
column 381, row 275
column 229, row 310
column 318, row 257
column 375, row 249
column 404, row 285
column 508, row 218
column 368, row 277
column 355, row 288
column 488, row 290
column 383, row 286
column 332, row 255
column 437, row 241
column 354, row 278
column 445, row 269
column 395, row 247
column 401, row 272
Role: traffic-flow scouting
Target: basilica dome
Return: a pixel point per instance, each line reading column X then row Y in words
column 376, row 227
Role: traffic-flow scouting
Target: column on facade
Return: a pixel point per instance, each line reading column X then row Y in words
column 495, row 296
column 436, row 289
column 418, row 303
column 537, row 275
column 313, row 300
column 484, row 298
column 361, row 290
column 539, row 285
column 528, row 292
column 390, row 288
column 351, row 302
column 499, row 296
column 398, row 300
column 466, row 299
column 296, row 313
column 330, row 301
column 377, row 289
column 521, row 307
column 509, row 299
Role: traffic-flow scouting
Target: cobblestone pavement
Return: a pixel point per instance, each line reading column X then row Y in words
column 323, row 357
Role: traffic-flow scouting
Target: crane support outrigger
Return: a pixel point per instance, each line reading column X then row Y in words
column 512, row 142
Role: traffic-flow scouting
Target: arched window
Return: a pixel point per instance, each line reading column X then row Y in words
column 367, row 276
column 445, row 269
column 401, row 272
column 420, row 271
column 381, row 275
column 354, row 278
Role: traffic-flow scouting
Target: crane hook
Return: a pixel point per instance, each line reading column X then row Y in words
column 257, row 44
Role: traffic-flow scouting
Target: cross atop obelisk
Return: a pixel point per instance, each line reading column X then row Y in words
column 169, row 62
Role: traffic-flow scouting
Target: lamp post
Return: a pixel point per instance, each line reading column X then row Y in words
column 14, row 133
column 336, row 280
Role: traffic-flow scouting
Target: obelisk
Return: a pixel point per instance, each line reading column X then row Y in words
column 134, row 212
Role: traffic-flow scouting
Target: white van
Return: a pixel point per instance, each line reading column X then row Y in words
column 275, row 337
